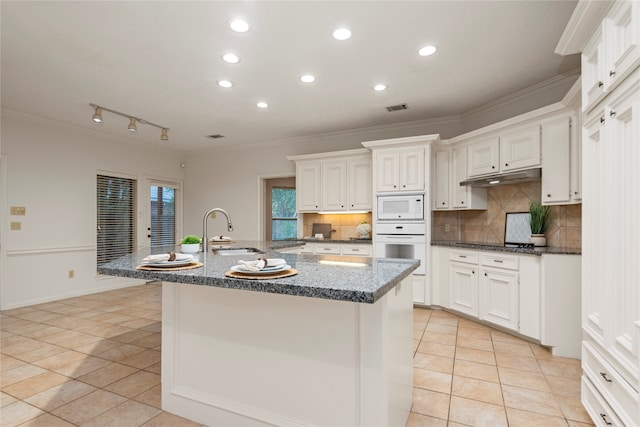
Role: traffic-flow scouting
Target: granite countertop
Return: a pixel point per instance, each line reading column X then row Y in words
column 314, row 240
column 554, row 250
column 366, row 281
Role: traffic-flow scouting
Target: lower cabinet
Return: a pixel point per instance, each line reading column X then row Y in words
column 499, row 297
column 344, row 249
column 464, row 288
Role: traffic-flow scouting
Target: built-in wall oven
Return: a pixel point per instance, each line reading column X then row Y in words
column 401, row 240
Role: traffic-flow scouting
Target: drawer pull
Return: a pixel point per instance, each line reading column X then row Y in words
column 604, row 375
column 498, row 260
column 604, row 418
column 462, row 256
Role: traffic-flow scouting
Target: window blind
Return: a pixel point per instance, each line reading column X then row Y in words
column 116, row 198
column 163, row 216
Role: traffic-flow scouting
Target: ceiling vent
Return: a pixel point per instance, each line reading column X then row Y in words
column 215, row 136
column 398, row 107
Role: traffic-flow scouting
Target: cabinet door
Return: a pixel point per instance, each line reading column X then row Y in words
column 387, row 164
column 556, row 161
column 520, row 148
column 622, row 38
column 441, row 179
column 593, row 71
column 308, row 186
column 412, row 169
column 484, row 157
column 576, row 158
column 334, row 185
column 459, row 173
column 359, row 188
column 499, row 297
column 463, row 285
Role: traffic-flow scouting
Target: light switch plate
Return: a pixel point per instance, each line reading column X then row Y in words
column 18, row 210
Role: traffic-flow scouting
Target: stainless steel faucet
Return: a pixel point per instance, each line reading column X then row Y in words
column 205, row 242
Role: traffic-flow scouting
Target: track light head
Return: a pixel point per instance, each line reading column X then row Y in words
column 97, row 116
column 164, row 136
column 132, row 125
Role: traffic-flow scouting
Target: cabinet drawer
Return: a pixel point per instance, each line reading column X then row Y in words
column 327, row 249
column 610, row 384
column 308, row 248
column 597, row 407
column 356, row 250
column 508, row 262
column 464, row 256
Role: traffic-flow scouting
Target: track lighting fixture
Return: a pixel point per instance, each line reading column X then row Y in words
column 97, row 117
column 132, row 125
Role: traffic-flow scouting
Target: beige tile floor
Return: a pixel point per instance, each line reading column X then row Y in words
column 95, row 361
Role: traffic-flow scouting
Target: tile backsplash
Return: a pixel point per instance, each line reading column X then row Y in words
column 343, row 224
column 488, row 226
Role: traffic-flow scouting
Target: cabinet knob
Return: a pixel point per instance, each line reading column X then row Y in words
column 444, row 203
column 601, row 119
column 506, row 164
column 600, row 84
column 612, row 113
column 473, row 272
column 404, row 186
column 548, row 195
column 612, row 73
column 342, row 206
column 462, row 202
column 485, row 274
column 575, row 192
column 493, row 167
column 395, row 186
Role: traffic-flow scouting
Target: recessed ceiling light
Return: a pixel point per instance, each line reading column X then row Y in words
column 427, row 50
column 225, row 83
column 379, row 87
column 230, row 58
column 239, row 26
column 342, row 34
column 262, row 104
column 307, row 78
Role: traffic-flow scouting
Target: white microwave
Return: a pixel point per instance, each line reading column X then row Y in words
column 401, row 207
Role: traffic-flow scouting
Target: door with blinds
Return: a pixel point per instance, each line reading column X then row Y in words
column 116, row 221
column 163, row 213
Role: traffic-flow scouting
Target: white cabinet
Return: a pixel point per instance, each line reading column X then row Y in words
column 612, row 53
column 334, row 185
column 400, row 169
column 442, row 178
column 511, row 150
column 463, row 282
column 499, row 282
column 484, row 157
column 320, row 248
column 359, row 177
column 520, row 148
column 334, row 182
column 556, row 161
column 308, row 185
column 450, row 168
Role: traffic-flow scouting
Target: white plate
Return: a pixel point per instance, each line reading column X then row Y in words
column 170, row 263
column 269, row 270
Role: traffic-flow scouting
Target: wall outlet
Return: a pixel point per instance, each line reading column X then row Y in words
column 72, row 274
column 16, row 225
column 447, row 228
column 18, row 210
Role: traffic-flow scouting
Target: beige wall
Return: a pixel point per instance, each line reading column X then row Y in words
column 488, row 226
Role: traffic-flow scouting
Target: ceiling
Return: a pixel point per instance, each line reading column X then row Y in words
column 160, row 61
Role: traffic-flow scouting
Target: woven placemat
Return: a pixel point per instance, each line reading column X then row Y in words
column 182, row 267
column 249, row 276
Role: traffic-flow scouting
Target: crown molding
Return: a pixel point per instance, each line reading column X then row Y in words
column 585, row 19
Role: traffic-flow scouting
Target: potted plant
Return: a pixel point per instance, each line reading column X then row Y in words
column 539, row 220
column 191, row 244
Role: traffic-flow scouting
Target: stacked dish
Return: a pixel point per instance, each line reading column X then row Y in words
column 262, row 266
column 168, row 260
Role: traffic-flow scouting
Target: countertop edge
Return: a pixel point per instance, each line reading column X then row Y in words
column 537, row 251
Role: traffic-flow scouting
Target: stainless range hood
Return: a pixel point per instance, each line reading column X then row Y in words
column 504, row 178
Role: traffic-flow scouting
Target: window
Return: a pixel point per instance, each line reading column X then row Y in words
column 116, row 217
column 163, row 215
column 284, row 221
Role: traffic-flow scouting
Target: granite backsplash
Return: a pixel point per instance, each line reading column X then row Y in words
column 488, row 226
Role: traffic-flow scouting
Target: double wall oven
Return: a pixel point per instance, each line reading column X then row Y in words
column 400, row 228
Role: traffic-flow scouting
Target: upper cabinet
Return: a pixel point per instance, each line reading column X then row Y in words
column 612, row 53
column 334, row 182
column 561, row 177
column 516, row 149
column 450, row 168
column 399, row 169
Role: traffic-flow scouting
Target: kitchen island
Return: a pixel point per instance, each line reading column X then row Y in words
column 329, row 346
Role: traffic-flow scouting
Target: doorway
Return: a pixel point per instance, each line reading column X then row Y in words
column 164, row 210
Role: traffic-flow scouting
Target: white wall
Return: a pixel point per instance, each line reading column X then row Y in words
column 51, row 170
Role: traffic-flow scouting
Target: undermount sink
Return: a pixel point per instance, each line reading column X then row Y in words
column 236, row 251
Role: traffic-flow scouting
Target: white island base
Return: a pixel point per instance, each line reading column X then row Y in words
column 241, row 358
